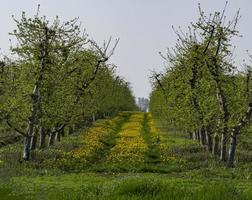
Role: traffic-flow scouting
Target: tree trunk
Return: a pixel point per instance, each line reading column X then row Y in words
column 36, row 97
column 202, row 136
column 198, row 135
column 34, row 140
column 27, row 143
column 58, row 136
column 235, row 131
column 51, row 138
column 208, row 140
column 27, row 148
column 42, row 138
column 215, row 148
column 194, row 135
column 215, row 70
column 224, row 110
column 93, row 116
column 63, row 132
column 223, row 102
column 231, row 153
column 195, row 101
column 223, row 146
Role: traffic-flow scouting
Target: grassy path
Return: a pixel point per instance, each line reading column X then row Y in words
column 129, row 149
column 130, row 146
column 152, row 140
column 110, row 141
column 95, row 144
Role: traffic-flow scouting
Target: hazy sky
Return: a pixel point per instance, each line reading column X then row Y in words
column 143, row 26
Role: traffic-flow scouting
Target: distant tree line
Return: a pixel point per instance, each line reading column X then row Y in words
column 201, row 91
column 59, row 81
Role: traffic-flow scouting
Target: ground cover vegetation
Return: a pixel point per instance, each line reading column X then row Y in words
column 159, row 165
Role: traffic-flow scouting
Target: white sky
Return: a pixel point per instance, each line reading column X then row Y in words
column 143, row 26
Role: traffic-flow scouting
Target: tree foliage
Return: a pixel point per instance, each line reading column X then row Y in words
column 201, row 91
column 59, row 79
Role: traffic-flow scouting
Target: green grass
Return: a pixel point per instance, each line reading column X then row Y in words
column 190, row 174
column 126, row 186
column 153, row 154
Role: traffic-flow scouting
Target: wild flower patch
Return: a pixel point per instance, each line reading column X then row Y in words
column 130, row 147
column 92, row 141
